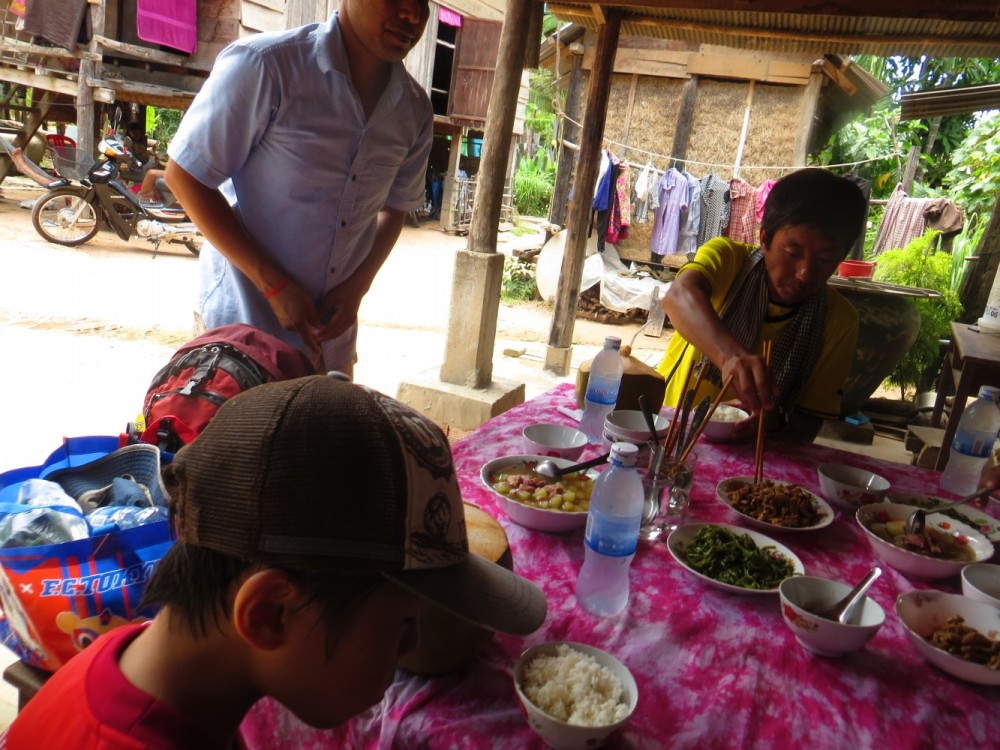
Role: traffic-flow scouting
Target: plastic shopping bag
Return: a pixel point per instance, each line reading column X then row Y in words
column 57, row 598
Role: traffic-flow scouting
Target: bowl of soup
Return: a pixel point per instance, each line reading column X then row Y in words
column 537, row 502
column 945, row 547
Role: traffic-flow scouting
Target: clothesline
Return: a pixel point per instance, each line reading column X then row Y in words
column 670, row 159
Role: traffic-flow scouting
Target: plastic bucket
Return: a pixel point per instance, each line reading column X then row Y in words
column 858, row 268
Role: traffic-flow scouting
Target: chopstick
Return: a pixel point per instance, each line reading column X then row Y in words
column 758, row 474
column 670, row 438
column 708, row 418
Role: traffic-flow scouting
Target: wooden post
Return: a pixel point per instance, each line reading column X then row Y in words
column 559, row 352
column 567, row 155
column 475, row 293
column 744, row 130
column 533, row 36
column 807, row 118
column 497, row 135
column 685, row 118
column 910, row 169
column 450, row 177
column 86, row 116
column 977, row 281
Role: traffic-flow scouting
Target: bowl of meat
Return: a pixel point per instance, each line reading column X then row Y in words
column 537, row 502
column 774, row 506
column 954, row 633
column 941, row 551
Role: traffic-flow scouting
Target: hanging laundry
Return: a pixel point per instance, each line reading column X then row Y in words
column 172, row 23
column 742, row 225
column 604, row 200
column 644, row 188
column 62, row 22
column 944, row 215
column 673, row 199
column 902, row 221
column 761, row 198
column 687, row 244
column 714, row 208
column 621, row 210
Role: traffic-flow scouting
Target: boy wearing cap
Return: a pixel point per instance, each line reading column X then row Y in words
column 313, row 518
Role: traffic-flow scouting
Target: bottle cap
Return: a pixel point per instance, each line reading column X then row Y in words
column 991, row 392
column 612, row 342
column 624, row 454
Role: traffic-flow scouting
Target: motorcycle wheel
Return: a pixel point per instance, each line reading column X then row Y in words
column 194, row 247
column 65, row 217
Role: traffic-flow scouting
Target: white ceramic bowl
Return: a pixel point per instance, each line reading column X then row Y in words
column 629, row 426
column 541, row 519
column 849, row 487
column 723, row 422
column 982, row 522
column 981, row 581
column 556, row 733
column 555, row 440
column 727, row 487
column 923, row 612
column 915, row 563
column 801, row 596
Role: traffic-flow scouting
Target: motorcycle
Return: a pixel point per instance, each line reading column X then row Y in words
column 90, row 192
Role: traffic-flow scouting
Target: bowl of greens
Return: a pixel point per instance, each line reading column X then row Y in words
column 733, row 559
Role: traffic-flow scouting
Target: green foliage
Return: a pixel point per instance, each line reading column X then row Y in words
column 518, row 283
column 881, row 132
column 539, row 112
column 974, row 182
column 533, row 183
column 919, row 265
column 165, row 124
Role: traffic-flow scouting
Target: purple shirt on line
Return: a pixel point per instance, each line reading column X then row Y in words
column 673, row 195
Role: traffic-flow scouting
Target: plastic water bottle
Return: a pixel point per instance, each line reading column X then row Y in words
column 612, row 534
column 602, row 389
column 973, row 443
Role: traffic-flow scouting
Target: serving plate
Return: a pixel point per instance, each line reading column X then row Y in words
column 681, row 537
column 985, row 524
column 727, row 487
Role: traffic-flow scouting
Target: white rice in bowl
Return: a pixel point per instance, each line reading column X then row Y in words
column 572, row 687
column 724, row 413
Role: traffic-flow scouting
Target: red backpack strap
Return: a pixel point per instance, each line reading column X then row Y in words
column 168, row 433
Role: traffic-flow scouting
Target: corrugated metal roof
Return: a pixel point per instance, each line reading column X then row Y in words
column 803, row 32
column 959, row 100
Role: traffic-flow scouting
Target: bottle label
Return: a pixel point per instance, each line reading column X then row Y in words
column 973, row 445
column 611, row 536
column 603, row 392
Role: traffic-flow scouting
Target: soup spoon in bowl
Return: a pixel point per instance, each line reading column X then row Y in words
column 915, row 523
column 550, row 470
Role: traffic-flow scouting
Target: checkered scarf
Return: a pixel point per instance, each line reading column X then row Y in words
column 795, row 353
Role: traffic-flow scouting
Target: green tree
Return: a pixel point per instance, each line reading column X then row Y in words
column 974, row 180
column 881, row 131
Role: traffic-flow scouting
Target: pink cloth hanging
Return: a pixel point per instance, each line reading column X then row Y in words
column 172, row 23
column 449, row 17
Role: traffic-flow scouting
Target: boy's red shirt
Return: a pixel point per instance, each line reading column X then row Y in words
column 90, row 705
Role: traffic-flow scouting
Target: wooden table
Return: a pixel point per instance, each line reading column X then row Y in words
column 973, row 360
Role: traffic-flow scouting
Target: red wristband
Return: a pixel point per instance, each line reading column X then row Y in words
column 276, row 289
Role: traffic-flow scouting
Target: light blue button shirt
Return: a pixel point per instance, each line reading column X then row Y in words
column 279, row 128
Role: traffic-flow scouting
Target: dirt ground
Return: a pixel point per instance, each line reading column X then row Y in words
column 83, row 329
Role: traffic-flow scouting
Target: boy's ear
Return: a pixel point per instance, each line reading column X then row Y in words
column 262, row 606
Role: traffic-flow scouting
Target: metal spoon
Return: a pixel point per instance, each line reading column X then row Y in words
column 915, row 523
column 842, row 610
column 550, row 470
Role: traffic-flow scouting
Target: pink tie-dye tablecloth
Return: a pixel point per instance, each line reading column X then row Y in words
column 714, row 670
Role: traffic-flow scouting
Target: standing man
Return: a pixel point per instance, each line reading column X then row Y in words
column 299, row 160
column 732, row 297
